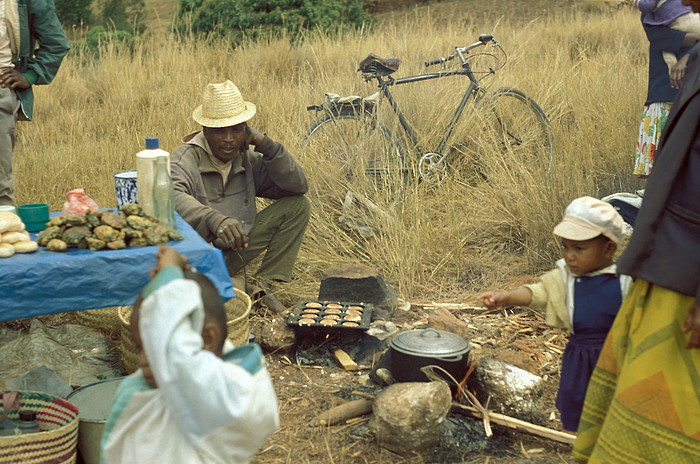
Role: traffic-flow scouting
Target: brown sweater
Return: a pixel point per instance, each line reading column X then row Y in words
column 204, row 200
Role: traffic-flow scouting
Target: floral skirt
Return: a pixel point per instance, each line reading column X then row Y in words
column 653, row 120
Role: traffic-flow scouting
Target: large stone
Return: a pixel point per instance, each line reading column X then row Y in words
column 359, row 283
column 513, row 391
column 276, row 336
column 442, row 319
column 407, row 416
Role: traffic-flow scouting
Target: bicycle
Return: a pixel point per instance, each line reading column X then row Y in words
column 349, row 129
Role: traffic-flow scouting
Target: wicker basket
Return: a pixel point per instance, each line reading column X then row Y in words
column 237, row 323
column 130, row 357
column 237, row 312
column 104, row 318
column 57, row 443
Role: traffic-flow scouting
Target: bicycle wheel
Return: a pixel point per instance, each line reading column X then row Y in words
column 352, row 152
column 513, row 136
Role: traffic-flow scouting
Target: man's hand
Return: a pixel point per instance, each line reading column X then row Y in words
column 692, row 325
column 231, row 232
column 253, row 136
column 167, row 256
column 14, row 79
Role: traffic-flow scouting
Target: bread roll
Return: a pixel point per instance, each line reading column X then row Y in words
column 25, row 246
column 13, row 237
column 9, row 222
column 6, row 250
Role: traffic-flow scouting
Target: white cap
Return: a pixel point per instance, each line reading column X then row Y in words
column 587, row 217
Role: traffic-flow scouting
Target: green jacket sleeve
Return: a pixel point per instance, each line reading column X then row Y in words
column 44, row 29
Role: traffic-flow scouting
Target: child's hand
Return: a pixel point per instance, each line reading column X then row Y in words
column 167, row 257
column 491, row 300
column 518, row 297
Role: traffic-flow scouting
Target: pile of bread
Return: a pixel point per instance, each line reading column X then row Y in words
column 13, row 236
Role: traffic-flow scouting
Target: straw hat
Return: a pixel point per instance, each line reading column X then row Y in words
column 222, row 106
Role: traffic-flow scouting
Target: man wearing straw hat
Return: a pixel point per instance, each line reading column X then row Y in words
column 217, row 176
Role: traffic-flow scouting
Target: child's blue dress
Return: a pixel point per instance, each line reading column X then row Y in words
column 596, row 302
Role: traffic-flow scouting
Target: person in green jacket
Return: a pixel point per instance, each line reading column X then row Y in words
column 32, row 46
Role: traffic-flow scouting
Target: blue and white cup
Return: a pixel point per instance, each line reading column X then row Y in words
column 125, row 185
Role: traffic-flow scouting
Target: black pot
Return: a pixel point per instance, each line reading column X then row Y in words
column 412, row 349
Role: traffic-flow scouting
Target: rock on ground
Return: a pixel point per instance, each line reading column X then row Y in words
column 442, row 319
column 359, row 283
column 512, row 390
column 276, row 336
column 407, row 416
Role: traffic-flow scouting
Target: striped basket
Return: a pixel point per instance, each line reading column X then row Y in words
column 106, row 319
column 56, row 444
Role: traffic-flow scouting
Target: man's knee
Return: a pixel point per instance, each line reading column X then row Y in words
column 304, row 206
column 297, row 206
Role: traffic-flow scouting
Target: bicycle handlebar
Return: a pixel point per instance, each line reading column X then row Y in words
column 483, row 40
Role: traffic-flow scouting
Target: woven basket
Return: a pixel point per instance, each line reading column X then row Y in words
column 130, row 357
column 104, row 318
column 237, row 324
column 237, row 312
column 57, row 443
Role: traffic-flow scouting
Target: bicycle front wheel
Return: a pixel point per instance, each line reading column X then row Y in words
column 352, row 152
column 514, row 136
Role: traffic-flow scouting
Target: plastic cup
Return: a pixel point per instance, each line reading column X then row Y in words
column 34, row 215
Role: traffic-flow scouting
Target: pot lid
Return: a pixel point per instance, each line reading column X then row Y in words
column 430, row 342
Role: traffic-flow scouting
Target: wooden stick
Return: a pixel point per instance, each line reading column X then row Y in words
column 453, row 306
column 343, row 412
column 362, row 394
column 522, row 426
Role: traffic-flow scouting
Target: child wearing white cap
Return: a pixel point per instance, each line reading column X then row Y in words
column 583, row 295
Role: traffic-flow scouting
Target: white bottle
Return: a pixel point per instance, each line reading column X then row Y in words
column 145, row 171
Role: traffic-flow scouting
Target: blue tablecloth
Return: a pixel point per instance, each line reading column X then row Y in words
column 46, row 282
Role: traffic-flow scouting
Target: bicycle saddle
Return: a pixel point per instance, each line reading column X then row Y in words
column 378, row 66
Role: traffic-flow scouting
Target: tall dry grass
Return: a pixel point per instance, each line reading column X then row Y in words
column 587, row 71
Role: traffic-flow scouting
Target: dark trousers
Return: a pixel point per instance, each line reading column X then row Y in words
column 278, row 231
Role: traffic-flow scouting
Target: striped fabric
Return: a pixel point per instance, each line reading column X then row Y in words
column 56, row 444
column 643, row 399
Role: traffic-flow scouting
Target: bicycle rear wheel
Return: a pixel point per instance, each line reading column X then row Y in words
column 355, row 153
column 514, row 136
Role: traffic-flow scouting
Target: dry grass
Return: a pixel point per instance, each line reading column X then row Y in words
column 586, row 70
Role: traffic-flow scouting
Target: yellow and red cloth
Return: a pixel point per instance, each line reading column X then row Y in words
column 643, row 399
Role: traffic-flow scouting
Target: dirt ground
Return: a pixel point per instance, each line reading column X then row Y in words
column 514, row 335
column 309, row 381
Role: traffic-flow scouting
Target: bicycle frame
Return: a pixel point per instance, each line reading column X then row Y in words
column 384, row 92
